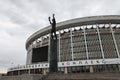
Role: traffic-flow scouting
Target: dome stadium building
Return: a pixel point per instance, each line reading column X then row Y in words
column 84, row 45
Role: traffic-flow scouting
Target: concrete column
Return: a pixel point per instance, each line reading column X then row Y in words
column 97, row 26
column 44, row 72
column 29, row 71
column 114, row 40
column 59, row 47
column 34, row 71
column 48, row 48
column 85, row 43
column 65, row 70
column 71, row 39
column 91, row 69
column 18, row 72
column 12, row 73
column 26, row 71
column 41, row 41
column 119, row 66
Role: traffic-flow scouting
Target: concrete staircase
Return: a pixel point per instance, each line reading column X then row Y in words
column 61, row 76
column 84, row 76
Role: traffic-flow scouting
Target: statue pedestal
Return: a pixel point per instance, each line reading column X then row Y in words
column 53, row 56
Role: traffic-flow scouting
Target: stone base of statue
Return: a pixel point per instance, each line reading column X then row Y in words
column 53, row 56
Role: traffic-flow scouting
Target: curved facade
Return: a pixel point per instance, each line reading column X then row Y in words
column 90, row 44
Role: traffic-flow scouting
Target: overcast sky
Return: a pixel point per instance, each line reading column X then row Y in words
column 21, row 18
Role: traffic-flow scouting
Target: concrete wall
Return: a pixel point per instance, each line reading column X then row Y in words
column 22, row 77
column 29, row 55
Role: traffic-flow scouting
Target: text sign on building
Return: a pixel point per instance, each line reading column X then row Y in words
column 89, row 62
column 70, row 63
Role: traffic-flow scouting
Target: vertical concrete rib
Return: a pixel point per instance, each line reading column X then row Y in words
column 48, row 48
column 100, row 40
column 59, row 46
column 71, row 39
column 85, row 42
column 41, row 41
column 30, row 53
column 116, row 47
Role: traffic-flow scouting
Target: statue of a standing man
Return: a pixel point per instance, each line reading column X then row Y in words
column 53, row 24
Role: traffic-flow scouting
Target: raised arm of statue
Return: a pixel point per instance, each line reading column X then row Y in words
column 49, row 20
